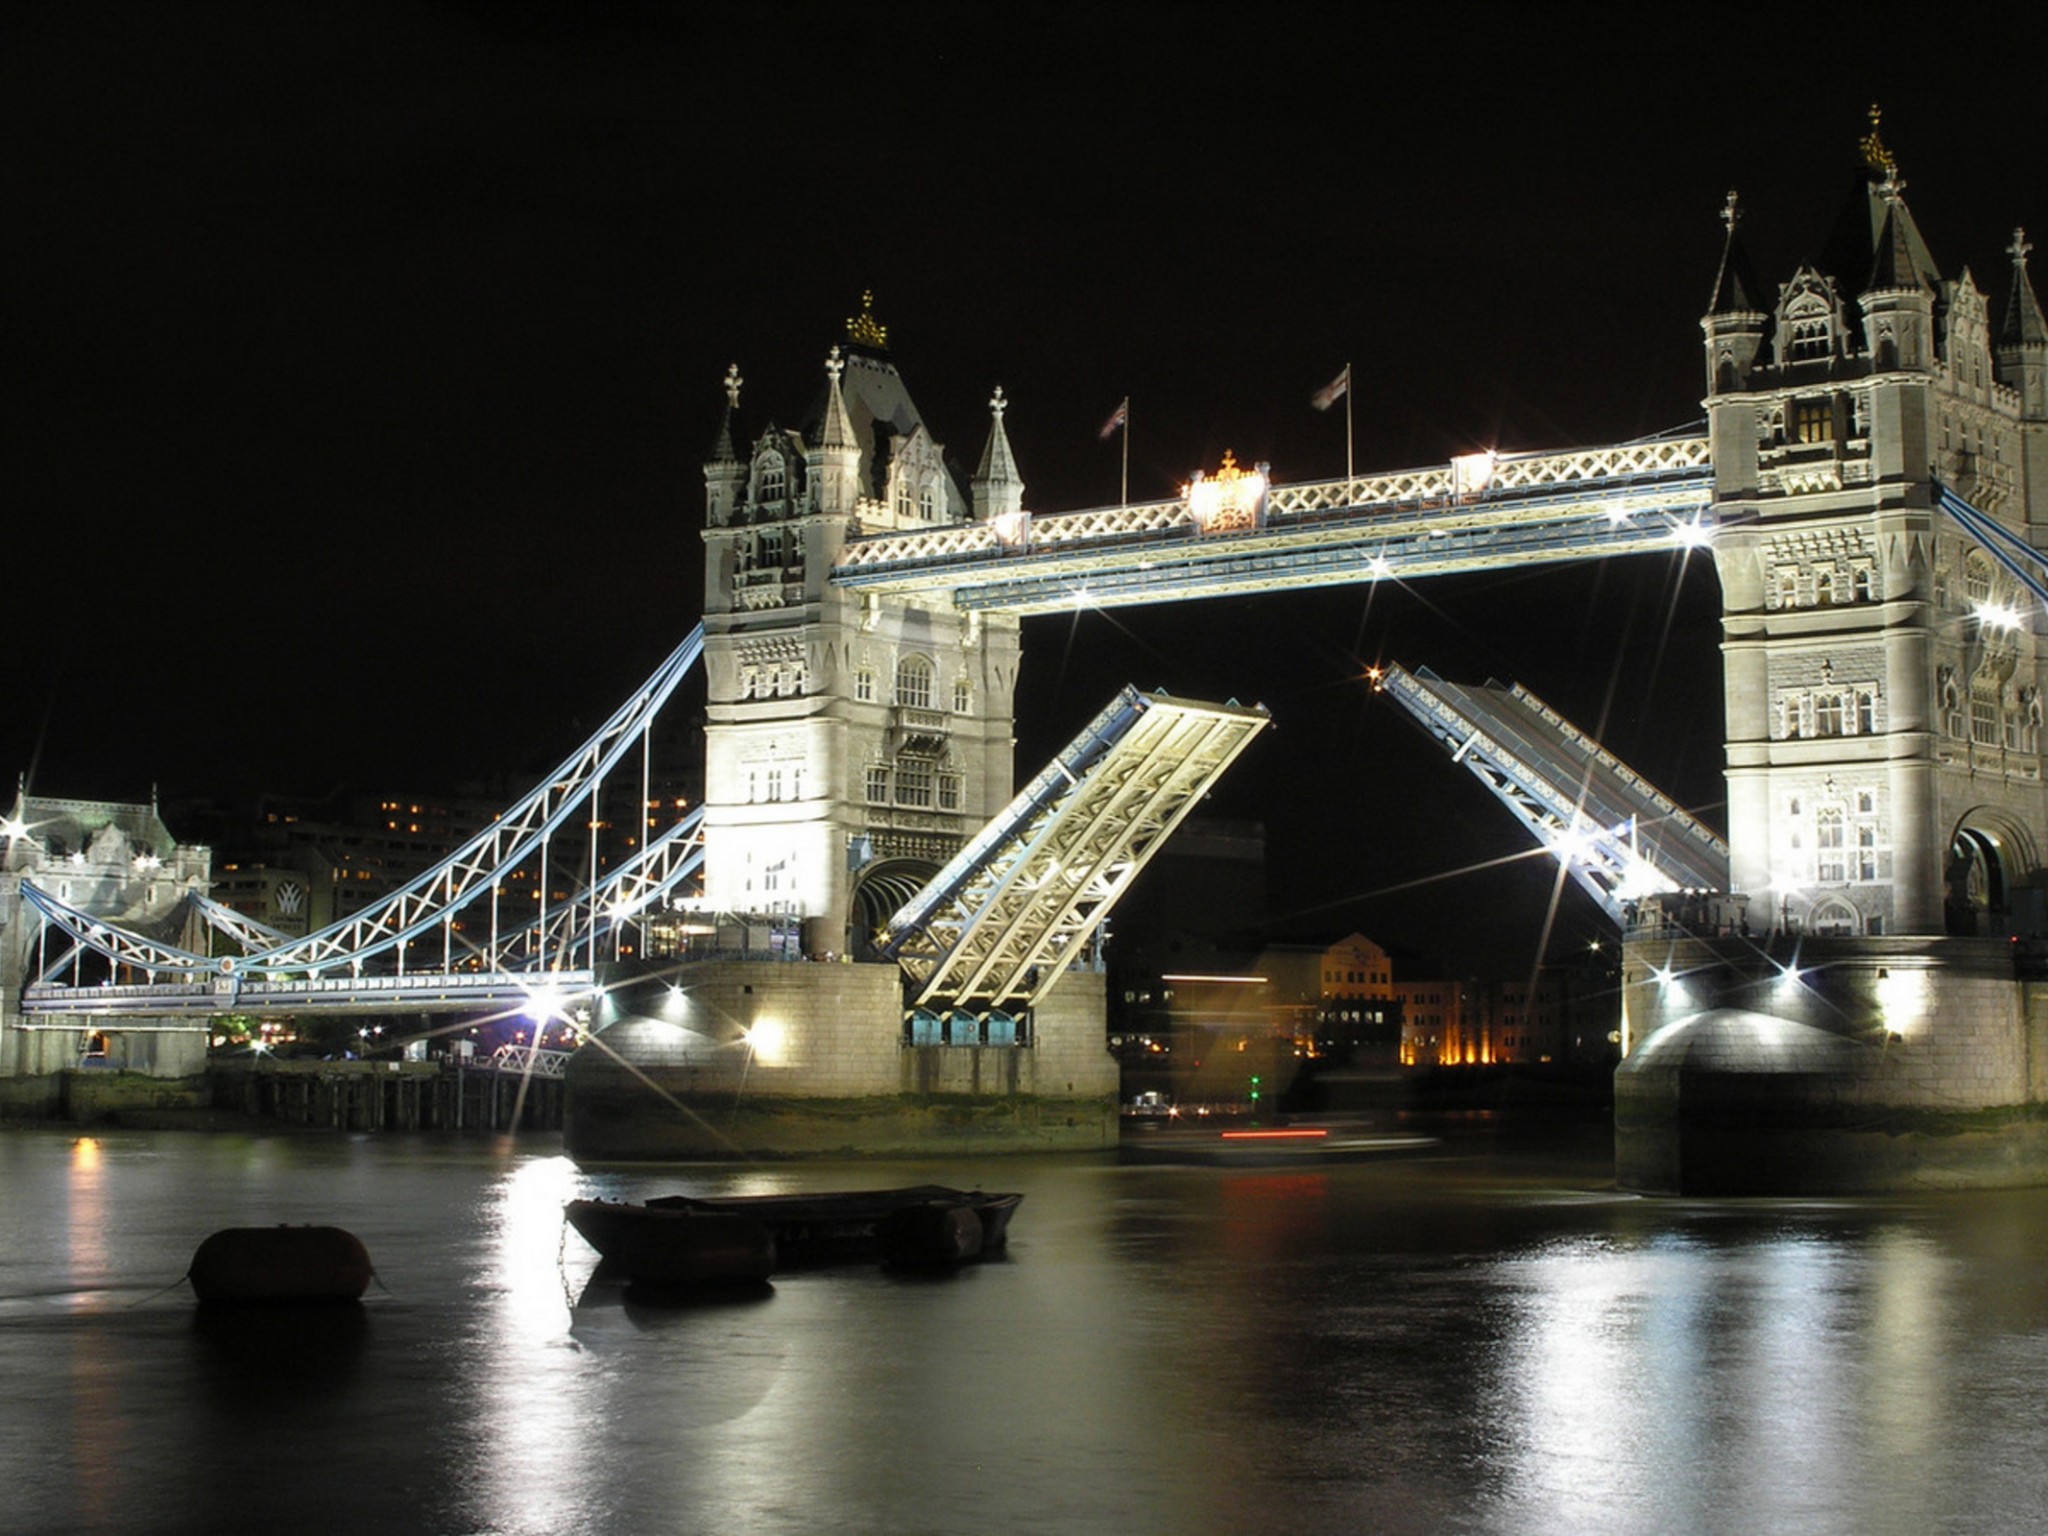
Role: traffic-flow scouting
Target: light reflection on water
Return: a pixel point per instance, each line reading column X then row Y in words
column 1475, row 1342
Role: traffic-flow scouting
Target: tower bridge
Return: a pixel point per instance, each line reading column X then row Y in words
column 1871, row 485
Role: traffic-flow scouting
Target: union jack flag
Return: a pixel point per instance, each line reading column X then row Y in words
column 1117, row 418
column 1333, row 391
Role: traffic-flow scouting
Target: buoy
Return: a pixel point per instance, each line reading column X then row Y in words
column 281, row 1264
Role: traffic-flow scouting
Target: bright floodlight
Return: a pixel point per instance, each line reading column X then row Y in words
column 1472, row 473
column 543, row 1005
column 1570, row 845
column 2001, row 616
column 1695, row 534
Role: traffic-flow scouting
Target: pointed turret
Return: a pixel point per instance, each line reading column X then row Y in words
column 2023, row 337
column 998, row 488
column 1898, row 294
column 1737, row 315
column 725, row 473
column 835, row 461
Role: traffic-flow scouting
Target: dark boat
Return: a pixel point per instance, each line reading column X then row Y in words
column 658, row 1245
column 847, row 1226
column 280, row 1264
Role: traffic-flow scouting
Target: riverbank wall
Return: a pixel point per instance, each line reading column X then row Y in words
column 311, row 1095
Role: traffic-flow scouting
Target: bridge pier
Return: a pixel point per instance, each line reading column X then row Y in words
column 1815, row 1066
column 751, row 1059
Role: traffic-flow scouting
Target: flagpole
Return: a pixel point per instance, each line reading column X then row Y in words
column 1349, row 391
column 1123, row 489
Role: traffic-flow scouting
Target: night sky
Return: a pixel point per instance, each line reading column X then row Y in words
column 365, row 357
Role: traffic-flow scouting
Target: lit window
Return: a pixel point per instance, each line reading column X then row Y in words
column 1813, row 421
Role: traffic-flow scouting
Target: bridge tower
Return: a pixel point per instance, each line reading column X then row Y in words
column 1883, row 680
column 1881, row 478
column 853, row 740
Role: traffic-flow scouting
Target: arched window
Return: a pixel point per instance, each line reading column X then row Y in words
column 914, row 682
column 1830, row 829
column 927, row 502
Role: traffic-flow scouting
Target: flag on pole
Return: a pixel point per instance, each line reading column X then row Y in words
column 1333, row 391
column 1117, row 418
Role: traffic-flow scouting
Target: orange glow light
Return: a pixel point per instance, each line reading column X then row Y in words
column 1273, row 1135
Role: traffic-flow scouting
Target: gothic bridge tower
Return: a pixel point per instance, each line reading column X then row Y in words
column 1868, row 1023
column 853, row 742
column 1884, row 673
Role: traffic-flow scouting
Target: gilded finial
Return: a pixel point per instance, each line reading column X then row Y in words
column 1875, row 155
column 864, row 329
column 2019, row 247
column 732, row 386
column 1731, row 215
column 998, row 404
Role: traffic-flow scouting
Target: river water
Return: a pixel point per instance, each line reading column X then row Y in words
column 1486, row 1338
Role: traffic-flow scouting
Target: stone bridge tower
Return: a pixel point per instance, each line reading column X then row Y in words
column 853, row 742
column 1871, row 1026
column 1884, row 673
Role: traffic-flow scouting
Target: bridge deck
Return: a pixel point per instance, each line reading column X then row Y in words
column 1015, row 906
column 1619, row 835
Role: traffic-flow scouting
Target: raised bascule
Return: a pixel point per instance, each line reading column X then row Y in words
column 1839, row 995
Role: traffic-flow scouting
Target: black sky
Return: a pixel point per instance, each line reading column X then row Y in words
column 365, row 356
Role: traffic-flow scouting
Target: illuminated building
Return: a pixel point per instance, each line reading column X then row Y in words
column 852, row 744
column 109, row 860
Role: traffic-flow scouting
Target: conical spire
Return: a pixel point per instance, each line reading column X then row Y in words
column 998, row 488
column 836, row 430
column 2024, row 325
column 1736, row 289
column 1894, row 264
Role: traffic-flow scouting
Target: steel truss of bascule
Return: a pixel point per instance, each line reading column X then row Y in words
column 1617, row 836
column 486, row 956
column 1015, row 907
column 1480, row 512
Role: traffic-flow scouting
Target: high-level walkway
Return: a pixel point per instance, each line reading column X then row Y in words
column 1476, row 513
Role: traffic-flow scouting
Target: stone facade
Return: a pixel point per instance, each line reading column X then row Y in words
column 1883, row 683
column 853, row 742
